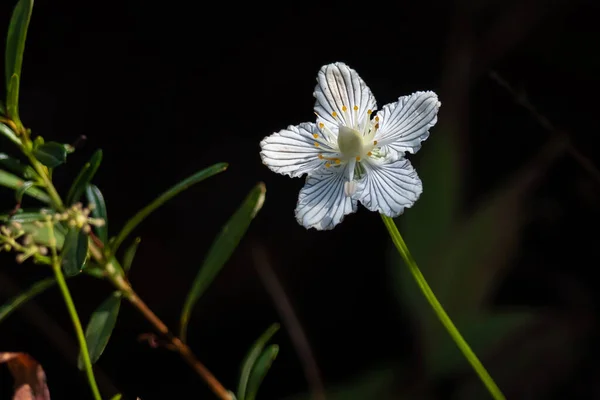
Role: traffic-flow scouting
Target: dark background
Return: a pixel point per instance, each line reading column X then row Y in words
column 169, row 88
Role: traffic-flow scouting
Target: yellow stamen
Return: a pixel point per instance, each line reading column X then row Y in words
column 374, row 142
column 369, row 112
column 369, row 154
column 357, row 158
column 321, row 125
column 320, row 156
column 315, row 135
column 376, row 126
column 355, row 108
column 344, row 109
column 316, row 144
column 327, row 165
column 337, row 161
column 377, row 118
column 334, row 114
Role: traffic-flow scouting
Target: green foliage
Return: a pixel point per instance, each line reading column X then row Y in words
column 100, row 327
column 256, row 364
column 221, row 249
column 74, row 253
column 84, row 178
column 12, row 304
column 96, row 201
column 51, row 154
column 163, row 198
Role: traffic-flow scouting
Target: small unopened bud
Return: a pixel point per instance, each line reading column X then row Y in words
column 20, row 258
column 43, row 250
column 28, row 240
column 72, row 223
column 86, row 229
column 38, row 224
column 17, row 225
column 6, row 247
column 4, row 230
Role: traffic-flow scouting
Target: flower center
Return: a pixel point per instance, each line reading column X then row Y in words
column 350, row 142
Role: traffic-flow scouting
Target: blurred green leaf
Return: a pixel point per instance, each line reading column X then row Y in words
column 22, row 190
column 117, row 397
column 15, row 39
column 17, row 167
column 163, row 198
column 11, row 305
column 260, row 369
column 2, row 108
column 96, row 200
column 251, row 359
column 84, row 178
column 41, row 235
column 74, row 252
column 101, row 325
column 130, row 254
column 484, row 333
column 12, row 100
column 24, row 216
column 221, row 249
column 14, row 182
column 51, row 154
column 6, row 131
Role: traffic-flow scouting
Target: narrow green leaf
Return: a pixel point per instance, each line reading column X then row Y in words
column 17, row 167
column 14, row 182
column 130, row 254
column 262, row 366
column 98, row 331
column 117, row 397
column 51, row 154
column 84, row 178
column 15, row 39
column 11, row 305
column 23, row 216
column 163, row 198
column 6, row 131
column 251, row 358
column 12, row 100
column 221, row 249
column 74, row 253
column 96, row 200
column 22, row 190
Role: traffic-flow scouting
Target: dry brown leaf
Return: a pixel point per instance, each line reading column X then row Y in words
column 30, row 378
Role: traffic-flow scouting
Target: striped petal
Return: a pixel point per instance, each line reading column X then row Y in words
column 389, row 188
column 322, row 203
column 342, row 97
column 405, row 124
column 294, row 151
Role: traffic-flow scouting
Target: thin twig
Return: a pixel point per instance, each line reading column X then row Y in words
column 294, row 328
column 521, row 99
column 178, row 346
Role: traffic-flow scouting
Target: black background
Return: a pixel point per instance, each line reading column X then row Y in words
column 168, row 88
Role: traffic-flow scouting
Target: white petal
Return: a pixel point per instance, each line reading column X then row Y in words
column 292, row 151
column 389, row 188
column 322, row 203
column 405, row 124
column 338, row 86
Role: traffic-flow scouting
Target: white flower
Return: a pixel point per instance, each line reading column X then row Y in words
column 349, row 154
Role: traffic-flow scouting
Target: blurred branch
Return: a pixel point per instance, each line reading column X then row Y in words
column 520, row 97
column 290, row 320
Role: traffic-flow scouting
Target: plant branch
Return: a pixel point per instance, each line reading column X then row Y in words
column 64, row 289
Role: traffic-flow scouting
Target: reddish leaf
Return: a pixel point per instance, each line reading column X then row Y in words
column 30, row 379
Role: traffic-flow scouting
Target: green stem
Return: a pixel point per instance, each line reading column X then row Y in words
column 40, row 169
column 439, row 310
column 64, row 289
